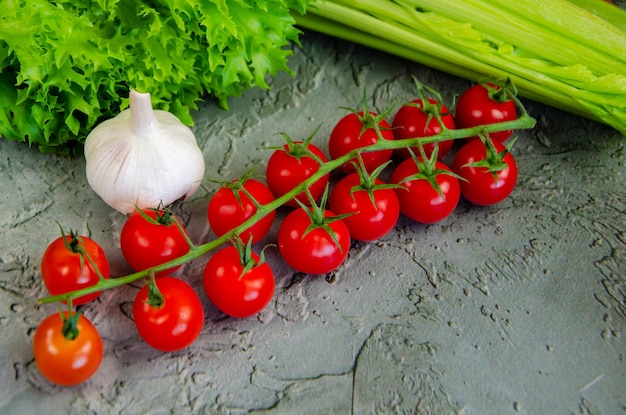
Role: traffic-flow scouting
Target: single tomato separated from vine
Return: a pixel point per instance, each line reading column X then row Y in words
column 419, row 119
column 236, row 202
column 170, row 318
column 489, row 173
column 429, row 193
column 67, row 352
column 373, row 208
column 357, row 130
column 153, row 237
column 238, row 282
column 483, row 104
column 73, row 262
column 292, row 164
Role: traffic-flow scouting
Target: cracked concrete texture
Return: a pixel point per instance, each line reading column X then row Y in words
column 518, row 308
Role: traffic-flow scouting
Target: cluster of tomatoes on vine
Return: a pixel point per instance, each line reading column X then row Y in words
column 314, row 237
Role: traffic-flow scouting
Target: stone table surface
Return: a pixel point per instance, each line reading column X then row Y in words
column 518, row 308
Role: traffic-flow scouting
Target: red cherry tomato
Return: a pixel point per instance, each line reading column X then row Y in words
column 481, row 186
column 226, row 212
column 176, row 323
column 312, row 251
column 286, row 169
column 348, row 135
column 419, row 200
column 369, row 220
column 67, row 361
column 412, row 121
column 480, row 105
column 235, row 292
column 65, row 269
column 145, row 244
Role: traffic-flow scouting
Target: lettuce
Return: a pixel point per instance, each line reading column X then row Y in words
column 66, row 65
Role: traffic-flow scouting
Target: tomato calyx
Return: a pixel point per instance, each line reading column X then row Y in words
column 427, row 170
column 501, row 91
column 494, row 160
column 74, row 243
column 367, row 181
column 369, row 120
column 248, row 261
column 162, row 215
column 319, row 219
column 298, row 149
column 238, row 185
column 430, row 103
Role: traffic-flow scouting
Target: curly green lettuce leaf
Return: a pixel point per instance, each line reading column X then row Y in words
column 67, row 65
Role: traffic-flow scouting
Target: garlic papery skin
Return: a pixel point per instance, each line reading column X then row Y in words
column 142, row 158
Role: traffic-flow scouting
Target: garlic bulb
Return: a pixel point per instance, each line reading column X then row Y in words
column 143, row 157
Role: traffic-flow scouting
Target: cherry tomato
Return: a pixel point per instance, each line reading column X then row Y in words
column 176, row 323
column 146, row 244
column 481, row 186
column 348, row 135
column 412, row 121
column 288, row 167
column 312, row 251
column 419, row 200
column 235, row 292
column 64, row 268
column 226, row 211
column 370, row 219
column 66, row 361
column 482, row 105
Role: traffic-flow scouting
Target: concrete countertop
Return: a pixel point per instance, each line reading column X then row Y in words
column 518, row 308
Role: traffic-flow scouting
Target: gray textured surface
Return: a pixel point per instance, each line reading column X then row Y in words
column 513, row 309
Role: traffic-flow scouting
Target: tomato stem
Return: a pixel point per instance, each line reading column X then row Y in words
column 524, row 121
column 155, row 298
column 70, row 322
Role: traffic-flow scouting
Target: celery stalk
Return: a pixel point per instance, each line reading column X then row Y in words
column 606, row 11
column 329, row 27
column 580, row 69
column 552, row 30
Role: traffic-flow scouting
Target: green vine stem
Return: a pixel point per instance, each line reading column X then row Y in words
column 524, row 121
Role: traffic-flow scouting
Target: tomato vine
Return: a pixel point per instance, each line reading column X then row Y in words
column 524, row 121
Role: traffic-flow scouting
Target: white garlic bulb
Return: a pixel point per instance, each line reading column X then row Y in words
column 143, row 157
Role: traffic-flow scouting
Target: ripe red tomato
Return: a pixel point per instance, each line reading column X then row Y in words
column 412, row 121
column 235, row 292
column 65, row 268
column 482, row 105
column 419, row 200
column 370, row 220
column 176, row 323
column 483, row 187
column 348, row 135
column 66, row 361
column 312, row 251
column 146, row 244
column 226, row 211
column 288, row 167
